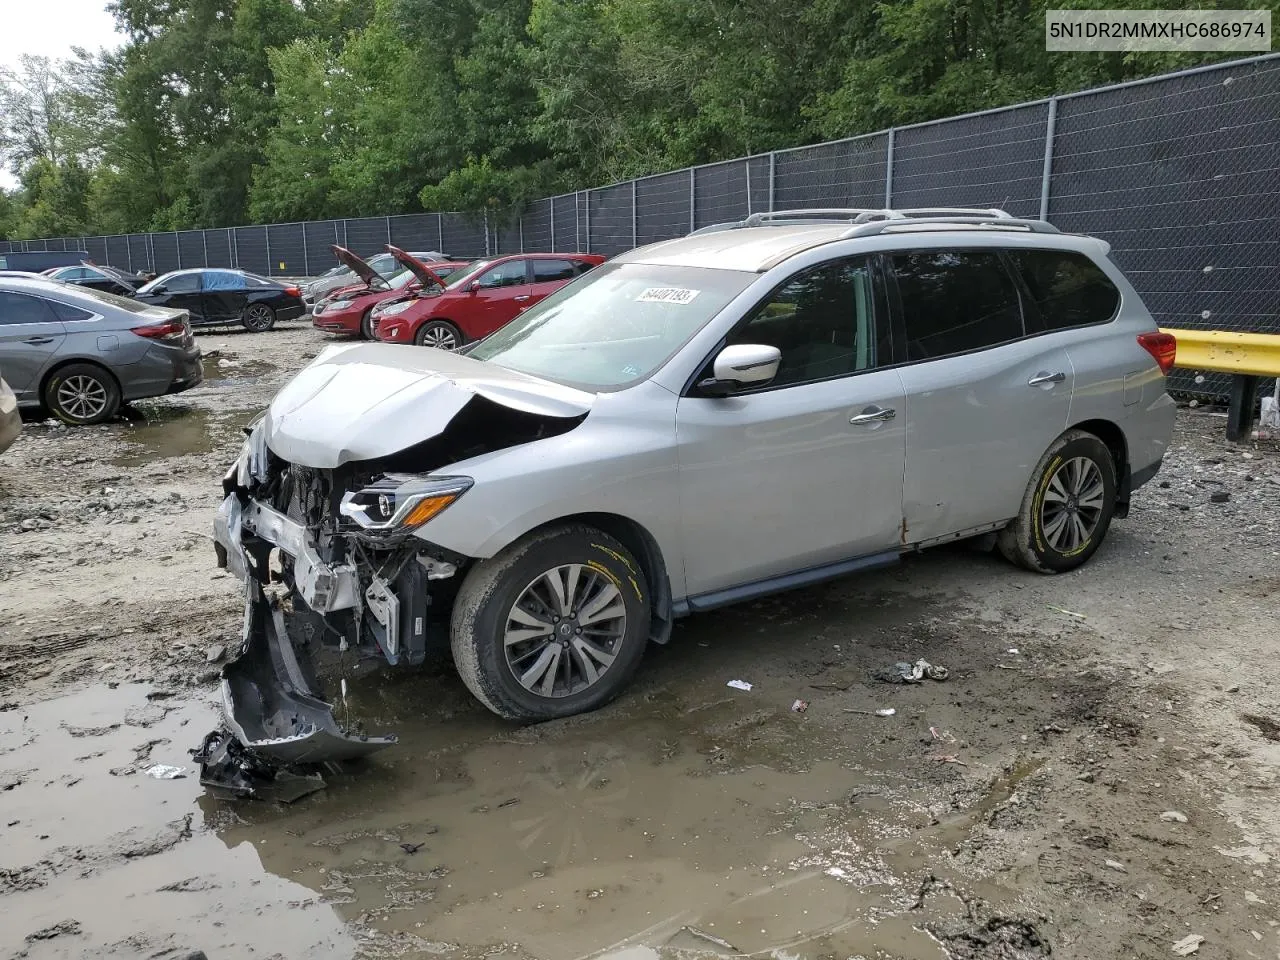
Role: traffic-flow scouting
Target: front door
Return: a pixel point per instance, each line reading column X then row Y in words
column 984, row 400
column 180, row 291
column 806, row 470
column 504, row 290
column 30, row 334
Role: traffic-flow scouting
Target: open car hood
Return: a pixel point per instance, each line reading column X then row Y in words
column 356, row 265
column 426, row 276
column 368, row 401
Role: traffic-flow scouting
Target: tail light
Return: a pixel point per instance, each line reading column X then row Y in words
column 293, row 291
column 168, row 330
column 1162, row 346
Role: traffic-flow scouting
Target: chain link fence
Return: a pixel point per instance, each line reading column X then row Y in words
column 1180, row 173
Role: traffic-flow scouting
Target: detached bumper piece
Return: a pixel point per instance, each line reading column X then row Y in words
column 278, row 730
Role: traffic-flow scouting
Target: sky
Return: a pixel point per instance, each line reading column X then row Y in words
column 50, row 28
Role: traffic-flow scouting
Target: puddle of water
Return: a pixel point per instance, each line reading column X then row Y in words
column 235, row 372
column 178, row 430
column 79, row 842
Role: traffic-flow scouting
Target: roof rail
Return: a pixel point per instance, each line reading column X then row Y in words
column 993, row 220
column 857, row 214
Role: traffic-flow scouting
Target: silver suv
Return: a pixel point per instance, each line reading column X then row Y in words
column 745, row 410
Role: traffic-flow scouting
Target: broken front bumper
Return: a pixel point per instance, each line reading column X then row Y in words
column 268, row 701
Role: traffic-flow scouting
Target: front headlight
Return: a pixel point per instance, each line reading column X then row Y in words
column 338, row 304
column 392, row 309
column 402, row 502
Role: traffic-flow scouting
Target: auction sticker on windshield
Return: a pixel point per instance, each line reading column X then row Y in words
column 667, row 295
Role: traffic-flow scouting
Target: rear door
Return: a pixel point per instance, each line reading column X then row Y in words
column 504, row 290
column 30, row 335
column 223, row 294
column 983, row 398
column 548, row 277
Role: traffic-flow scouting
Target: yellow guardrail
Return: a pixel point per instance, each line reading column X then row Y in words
column 1250, row 354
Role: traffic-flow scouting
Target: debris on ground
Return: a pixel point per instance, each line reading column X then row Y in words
column 882, row 712
column 948, row 758
column 800, row 706
column 1116, row 865
column 1188, row 945
column 1266, row 726
column 904, row 672
column 1219, row 496
column 411, row 847
column 1069, row 613
column 1173, row 816
column 215, row 653
column 739, row 685
column 65, row 928
column 704, row 936
column 229, row 769
column 164, row 771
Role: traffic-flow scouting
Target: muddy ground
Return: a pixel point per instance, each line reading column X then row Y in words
column 1096, row 778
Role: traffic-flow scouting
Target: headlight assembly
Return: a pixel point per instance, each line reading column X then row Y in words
column 391, row 309
column 400, row 503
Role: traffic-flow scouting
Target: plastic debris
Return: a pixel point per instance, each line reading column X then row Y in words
column 800, row 706
column 886, row 712
column 739, row 685
column 1188, row 945
column 162, row 771
column 883, row 712
column 903, row 672
column 1069, row 613
column 1173, row 816
column 949, row 758
column 1014, row 651
column 1116, row 865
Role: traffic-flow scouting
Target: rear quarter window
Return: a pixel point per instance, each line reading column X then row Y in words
column 1068, row 288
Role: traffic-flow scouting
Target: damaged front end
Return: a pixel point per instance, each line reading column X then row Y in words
column 320, row 521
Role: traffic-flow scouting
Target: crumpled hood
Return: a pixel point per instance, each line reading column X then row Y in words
column 368, row 401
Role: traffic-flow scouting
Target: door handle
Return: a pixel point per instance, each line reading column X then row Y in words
column 38, row 340
column 525, row 297
column 1040, row 379
column 873, row 414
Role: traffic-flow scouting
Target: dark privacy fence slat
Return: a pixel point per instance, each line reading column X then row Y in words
column 1180, row 173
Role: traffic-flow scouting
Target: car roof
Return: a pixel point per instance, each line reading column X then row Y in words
column 763, row 241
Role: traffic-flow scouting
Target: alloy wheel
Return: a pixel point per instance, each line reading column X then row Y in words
column 82, row 397
column 440, row 337
column 1072, row 506
column 258, row 318
column 565, row 630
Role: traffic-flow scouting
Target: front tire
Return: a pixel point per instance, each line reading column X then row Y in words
column 1067, row 509
column 366, row 325
column 553, row 625
column 82, row 394
column 258, row 318
column 440, row 334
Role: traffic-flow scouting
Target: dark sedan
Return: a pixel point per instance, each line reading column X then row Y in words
column 225, row 297
column 106, row 279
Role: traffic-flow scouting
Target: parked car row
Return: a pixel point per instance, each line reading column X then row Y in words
column 444, row 304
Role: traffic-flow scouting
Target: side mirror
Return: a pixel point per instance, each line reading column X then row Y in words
column 742, row 365
column 474, row 287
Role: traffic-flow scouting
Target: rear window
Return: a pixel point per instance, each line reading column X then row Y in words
column 1069, row 289
column 549, row 271
column 88, row 293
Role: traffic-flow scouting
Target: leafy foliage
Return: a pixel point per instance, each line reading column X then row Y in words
column 221, row 112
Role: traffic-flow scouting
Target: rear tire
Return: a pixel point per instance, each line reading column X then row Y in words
column 440, row 334
column 258, row 318
column 82, row 394
column 553, row 625
column 1067, row 509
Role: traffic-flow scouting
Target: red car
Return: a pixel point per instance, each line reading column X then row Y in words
column 349, row 309
column 487, row 295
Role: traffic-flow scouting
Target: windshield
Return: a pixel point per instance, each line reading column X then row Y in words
column 613, row 326
column 469, row 273
column 158, row 281
column 402, row 279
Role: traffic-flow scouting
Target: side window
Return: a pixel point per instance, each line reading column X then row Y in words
column 509, row 274
column 954, row 301
column 18, row 308
column 552, row 271
column 1069, row 288
column 183, row 283
column 822, row 321
column 223, row 280
column 582, row 266
column 67, row 313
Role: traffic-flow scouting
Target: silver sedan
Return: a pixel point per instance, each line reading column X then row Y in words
column 81, row 353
